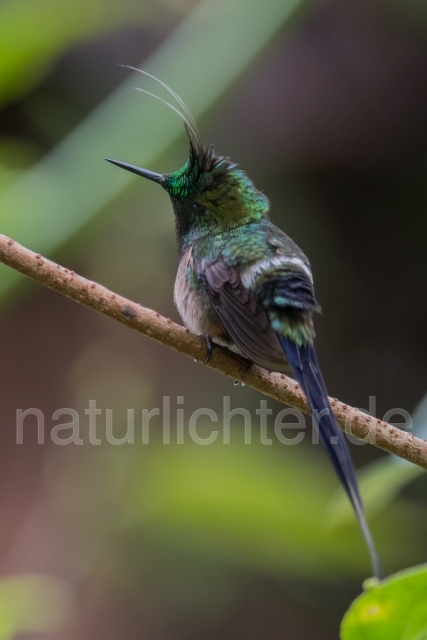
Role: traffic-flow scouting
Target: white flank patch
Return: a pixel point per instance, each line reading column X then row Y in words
column 248, row 275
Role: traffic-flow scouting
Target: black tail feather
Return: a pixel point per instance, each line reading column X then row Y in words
column 303, row 362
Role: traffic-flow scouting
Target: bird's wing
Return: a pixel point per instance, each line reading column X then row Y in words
column 244, row 318
column 284, row 291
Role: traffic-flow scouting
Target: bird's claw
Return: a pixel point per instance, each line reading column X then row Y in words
column 209, row 347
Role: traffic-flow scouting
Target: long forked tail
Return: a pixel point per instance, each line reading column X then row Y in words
column 304, row 365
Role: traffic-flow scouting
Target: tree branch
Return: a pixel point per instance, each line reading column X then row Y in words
column 153, row 325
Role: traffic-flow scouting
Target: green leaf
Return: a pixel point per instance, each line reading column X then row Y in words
column 394, row 609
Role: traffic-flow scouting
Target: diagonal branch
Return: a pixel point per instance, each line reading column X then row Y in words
column 152, row 324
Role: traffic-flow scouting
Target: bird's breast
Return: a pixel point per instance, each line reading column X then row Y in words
column 192, row 303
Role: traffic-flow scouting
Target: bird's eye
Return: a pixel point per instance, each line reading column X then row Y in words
column 199, row 208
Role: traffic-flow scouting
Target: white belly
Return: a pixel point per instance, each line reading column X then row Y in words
column 192, row 303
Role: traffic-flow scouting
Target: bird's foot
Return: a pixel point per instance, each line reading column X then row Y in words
column 209, row 348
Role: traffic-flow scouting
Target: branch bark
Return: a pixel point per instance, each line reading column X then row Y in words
column 152, row 324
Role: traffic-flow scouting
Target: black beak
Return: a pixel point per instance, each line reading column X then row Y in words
column 155, row 177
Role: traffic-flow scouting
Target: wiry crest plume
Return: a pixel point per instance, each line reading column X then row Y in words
column 203, row 170
column 187, row 117
column 203, row 166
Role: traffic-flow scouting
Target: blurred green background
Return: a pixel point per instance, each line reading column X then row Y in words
column 325, row 105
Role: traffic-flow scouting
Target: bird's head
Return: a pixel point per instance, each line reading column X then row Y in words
column 209, row 193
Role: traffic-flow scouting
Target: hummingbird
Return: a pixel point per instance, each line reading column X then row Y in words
column 243, row 283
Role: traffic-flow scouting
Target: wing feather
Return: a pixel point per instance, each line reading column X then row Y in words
column 244, row 318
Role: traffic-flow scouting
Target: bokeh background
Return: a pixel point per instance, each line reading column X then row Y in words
column 325, row 105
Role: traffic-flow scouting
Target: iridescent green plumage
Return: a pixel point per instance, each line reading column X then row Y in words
column 210, row 183
column 243, row 283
